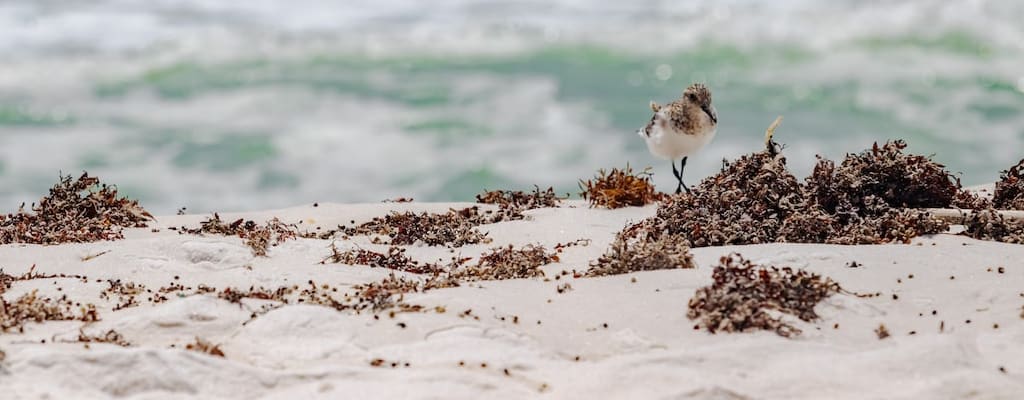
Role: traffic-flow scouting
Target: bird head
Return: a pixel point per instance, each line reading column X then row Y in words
column 700, row 95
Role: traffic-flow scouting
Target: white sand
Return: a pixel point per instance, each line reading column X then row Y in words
column 648, row 350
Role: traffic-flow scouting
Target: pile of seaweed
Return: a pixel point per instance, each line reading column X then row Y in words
column 518, row 201
column 258, row 237
column 987, row 223
column 76, row 210
column 394, row 259
column 1009, row 193
column 868, row 199
column 876, row 196
column 744, row 296
column 205, row 347
column 629, row 253
column 454, row 228
column 512, row 203
column 31, row 307
column 111, row 336
column 507, row 263
column 619, row 188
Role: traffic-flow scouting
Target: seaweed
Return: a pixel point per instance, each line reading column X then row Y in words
column 386, row 294
column 755, row 199
column 520, row 200
column 619, row 188
column 744, row 296
column 884, row 172
column 31, row 307
column 882, row 332
column 455, row 228
column 498, row 264
column 394, row 259
column 235, row 295
column 966, row 199
column 890, row 225
column 375, row 296
column 745, row 203
column 126, row 293
column 875, row 196
column 205, row 347
column 7, row 280
column 76, row 210
column 1009, row 192
column 989, row 224
column 111, row 336
column 642, row 254
column 258, row 237
column 507, row 263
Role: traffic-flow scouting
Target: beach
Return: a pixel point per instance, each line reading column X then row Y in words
column 472, row 199
column 951, row 305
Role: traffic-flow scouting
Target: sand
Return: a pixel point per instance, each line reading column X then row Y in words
column 615, row 337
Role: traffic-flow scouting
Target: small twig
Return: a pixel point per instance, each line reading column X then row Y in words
column 88, row 257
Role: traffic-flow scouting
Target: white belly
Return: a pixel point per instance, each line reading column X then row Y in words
column 668, row 144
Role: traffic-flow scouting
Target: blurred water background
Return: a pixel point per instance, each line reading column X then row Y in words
column 240, row 105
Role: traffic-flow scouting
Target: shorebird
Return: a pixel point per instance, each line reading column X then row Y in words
column 681, row 128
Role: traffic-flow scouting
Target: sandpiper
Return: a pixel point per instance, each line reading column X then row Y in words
column 681, row 128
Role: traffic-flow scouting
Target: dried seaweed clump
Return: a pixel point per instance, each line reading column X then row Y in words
column 455, row 228
column 619, row 188
column 887, row 225
column 74, row 211
column 386, row 294
column 508, row 263
column 258, row 237
column 1009, row 193
column 883, row 172
column 641, row 254
column 511, row 204
column 126, row 293
column 111, row 336
column 966, row 199
column 32, row 307
column 745, row 296
column 745, row 203
column 205, row 347
column 394, row 259
column 871, row 197
column 520, row 200
column 755, row 199
column 235, row 295
column 991, row 225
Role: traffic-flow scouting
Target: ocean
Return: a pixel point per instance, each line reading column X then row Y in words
column 230, row 106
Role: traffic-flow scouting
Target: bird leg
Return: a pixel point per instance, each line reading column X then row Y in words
column 679, row 175
column 675, row 173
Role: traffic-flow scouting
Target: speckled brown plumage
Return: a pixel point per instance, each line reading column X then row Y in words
column 681, row 128
column 686, row 112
